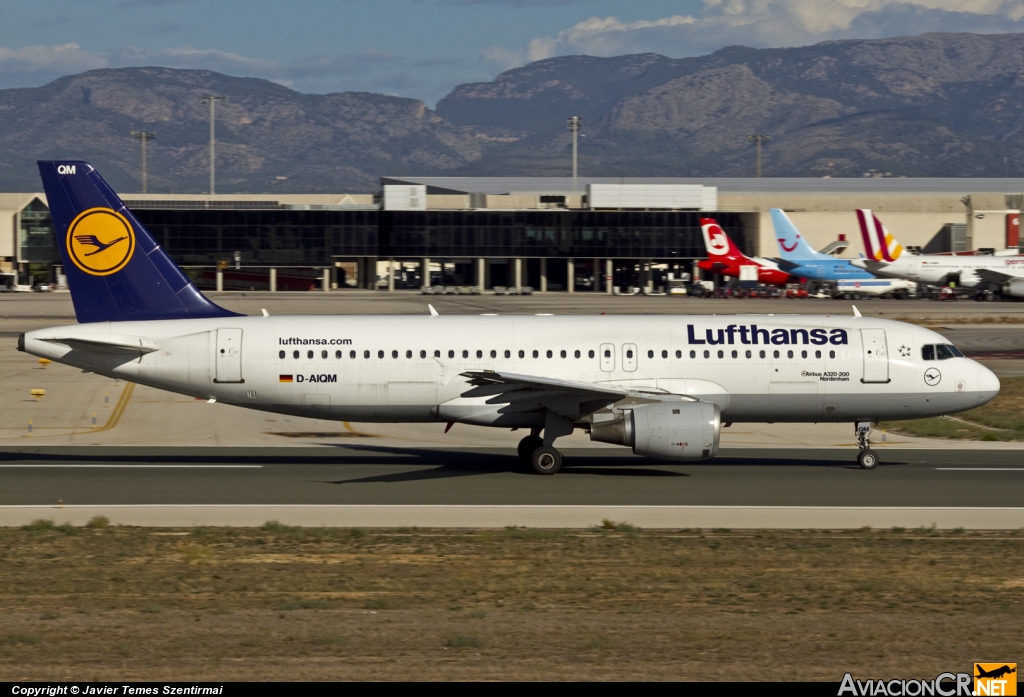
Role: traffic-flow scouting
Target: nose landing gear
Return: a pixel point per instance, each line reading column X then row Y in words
column 867, row 458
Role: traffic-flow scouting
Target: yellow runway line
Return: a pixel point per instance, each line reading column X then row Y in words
column 115, row 415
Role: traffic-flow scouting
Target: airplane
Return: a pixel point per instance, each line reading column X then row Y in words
column 662, row 385
column 1003, row 275
column 801, row 259
column 995, row 672
column 725, row 258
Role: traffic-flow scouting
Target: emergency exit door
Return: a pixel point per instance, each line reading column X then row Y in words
column 876, row 355
column 228, row 357
column 629, row 357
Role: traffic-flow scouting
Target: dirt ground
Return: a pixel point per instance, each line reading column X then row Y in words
column 279, row 603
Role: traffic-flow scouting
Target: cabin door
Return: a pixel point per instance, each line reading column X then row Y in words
column 875, row 354
column 228, row 357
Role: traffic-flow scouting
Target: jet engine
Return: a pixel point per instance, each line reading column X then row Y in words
column 1015, row 288
column 679, row 431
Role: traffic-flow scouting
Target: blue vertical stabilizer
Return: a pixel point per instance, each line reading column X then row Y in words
column 792, row 244
column 116, row 271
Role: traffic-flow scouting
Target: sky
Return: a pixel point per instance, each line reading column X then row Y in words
column 424, row 48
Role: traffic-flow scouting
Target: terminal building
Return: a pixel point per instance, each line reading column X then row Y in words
column 585, row 234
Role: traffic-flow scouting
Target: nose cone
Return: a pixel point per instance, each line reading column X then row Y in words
column 988, row 385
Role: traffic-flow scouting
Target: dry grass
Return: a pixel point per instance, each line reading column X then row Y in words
column 282, row 603
column 1002, row 419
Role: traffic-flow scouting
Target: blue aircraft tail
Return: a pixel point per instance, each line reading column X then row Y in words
column 791, row 243
column 116, row 271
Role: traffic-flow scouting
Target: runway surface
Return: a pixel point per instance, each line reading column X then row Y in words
column 366, row 484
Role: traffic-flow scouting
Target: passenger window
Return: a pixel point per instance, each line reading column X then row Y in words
column 607, row 353
column 295, row 354
column 408, row 354
column 803, row 354
column 423, row 354
column 789, row 354
column 508, row 354
column 590, row 353
column 380, row 354
column 707, row 354
column 280, row 354
column 394, row 354
column 942, row 352
column 664, row 354
column 693, row 354
column 735, row 354
column 576, row 353
column 775, row 353
column 750, row 354
column 465, row 353
column 831, row 354
column 323, row 354
column 563, row 354
column 479, row 353
column 337, row 354
column 721, row 354
column 494, row 354
column 351, row 354
column 549, row 353
column 451, row 354
column 650, row 354
column 762, row 353
column 366, row 354
column 309, row 354
column 536, row 353
column 522, row 353
column 629, row 353
column 679, row 354
column 817, row 354
column 437, row 353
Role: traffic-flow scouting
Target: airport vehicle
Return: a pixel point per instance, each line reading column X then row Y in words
column 725, row 258
column 662, row 385
column 1003, row 275
column 801, row 259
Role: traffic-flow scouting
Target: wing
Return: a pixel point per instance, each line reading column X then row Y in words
column 993, row 276
column 524, row 393
column 89, row 239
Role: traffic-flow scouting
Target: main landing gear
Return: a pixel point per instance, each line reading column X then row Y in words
column 867, row 458
column 539, row 454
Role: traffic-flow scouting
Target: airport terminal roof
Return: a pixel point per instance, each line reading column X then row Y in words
column 808, row 185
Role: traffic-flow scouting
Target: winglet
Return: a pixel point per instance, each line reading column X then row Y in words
column 264, row 311
column 433, row 312
column 856, row 312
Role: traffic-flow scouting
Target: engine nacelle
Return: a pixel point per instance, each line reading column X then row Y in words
column 678, row 431
column 1015, row 288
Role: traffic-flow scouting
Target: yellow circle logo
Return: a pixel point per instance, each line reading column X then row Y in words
column 100, row 241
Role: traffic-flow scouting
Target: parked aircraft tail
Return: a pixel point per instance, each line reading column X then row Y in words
column 716, row 242
column 791, row 243
column 115, row 269
column 879, row 244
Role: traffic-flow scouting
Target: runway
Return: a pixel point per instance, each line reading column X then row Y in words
column 374, row 486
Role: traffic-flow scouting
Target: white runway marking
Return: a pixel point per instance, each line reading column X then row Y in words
column 218, row 467
column 980, row 469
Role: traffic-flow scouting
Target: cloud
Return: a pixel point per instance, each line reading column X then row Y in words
column 766, row 23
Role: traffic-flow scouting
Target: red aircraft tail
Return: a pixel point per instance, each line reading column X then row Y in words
column 718, row 244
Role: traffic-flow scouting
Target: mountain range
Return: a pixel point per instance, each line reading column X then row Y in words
column 935, row 105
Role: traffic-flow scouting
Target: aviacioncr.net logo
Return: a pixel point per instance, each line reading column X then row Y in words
column 100, row 241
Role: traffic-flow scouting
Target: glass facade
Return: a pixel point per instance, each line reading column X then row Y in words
column 35, row 235
column 314, row 238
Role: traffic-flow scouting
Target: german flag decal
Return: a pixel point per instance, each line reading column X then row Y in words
column 286, row 378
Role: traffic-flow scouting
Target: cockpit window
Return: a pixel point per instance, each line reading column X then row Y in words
column 942, row 352
column 928, row 352
column 955, row 350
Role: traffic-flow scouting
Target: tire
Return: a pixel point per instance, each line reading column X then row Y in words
column 546, row 460
column 528, row 445
column 867, row 459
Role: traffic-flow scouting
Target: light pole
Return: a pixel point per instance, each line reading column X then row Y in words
column 575, row 123
column 212, row 99
column 758, row 138
column 145, row 137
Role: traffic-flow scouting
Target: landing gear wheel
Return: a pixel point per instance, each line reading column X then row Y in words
column 527, row 446
column 867, row 459
column 546, row 460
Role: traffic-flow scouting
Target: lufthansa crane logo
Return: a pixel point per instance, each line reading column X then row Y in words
column 932, row 376
column 100, row 241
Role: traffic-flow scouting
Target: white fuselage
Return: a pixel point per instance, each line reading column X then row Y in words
column 757, row 368
column 939, row 269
